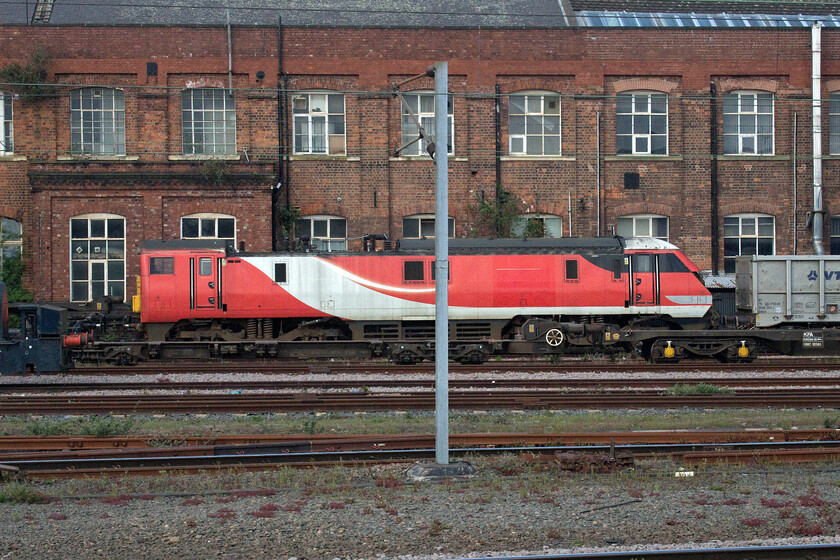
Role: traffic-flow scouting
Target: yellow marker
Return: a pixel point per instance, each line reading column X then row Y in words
column 669, row 352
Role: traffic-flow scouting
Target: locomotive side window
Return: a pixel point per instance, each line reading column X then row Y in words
column 280, row 272
column 205, row 266
column 413, row 271
column 642, row 263
column 162, row 265
column 572, row 270
column 616, row 269
column 671, row 263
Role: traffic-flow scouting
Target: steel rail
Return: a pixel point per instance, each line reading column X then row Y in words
column 389, row 441
column 301, row 453
column 780, row 552
column 358, row 401
column 567, row 365
column 497, row 383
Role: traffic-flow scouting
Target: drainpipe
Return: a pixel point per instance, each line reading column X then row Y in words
column 713, row 177
column 816, row 94
column 598, row 174
column 230, row 56
column 281, row 119
column 498, row 126
column 795, row 185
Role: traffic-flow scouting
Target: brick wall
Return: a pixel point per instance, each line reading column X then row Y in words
column 371, row 187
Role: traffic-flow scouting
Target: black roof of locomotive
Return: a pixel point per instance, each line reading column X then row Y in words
column 536, row 245
column 458, row 246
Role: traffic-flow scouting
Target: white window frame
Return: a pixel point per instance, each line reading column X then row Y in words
column 535, row 113
column 426, row 118
column 747, row 229
column 207, row 217
column 222, row 122
column 426, row 222
column 518, row 225
column 316, row 108
column 327, row 242
column 106, row 239
column 642, row 225
column 642, row 116
column 97, row 121
column 740, row 122
column 834, row 123
column 7, row 125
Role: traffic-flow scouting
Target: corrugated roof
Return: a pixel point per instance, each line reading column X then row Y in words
column 786, row 7
column 16, row 12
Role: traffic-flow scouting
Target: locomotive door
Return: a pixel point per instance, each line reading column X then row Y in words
column 643, row 281
column 204, row 283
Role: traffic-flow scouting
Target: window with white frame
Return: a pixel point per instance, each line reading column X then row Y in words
column 643, row 225
column 208, row 226
column 319, row 123
column 97, row 257
column 423, row 226
column 327, row 233
column 11, row 240
column 208, row 121
column 537, row 225
column 97, row 121
column 6, row 123
column 422, row 105
column 834, row 236
column 747, row 234
column 641, row 123
column 748, row 123
column 834, row 123
column 534, row 124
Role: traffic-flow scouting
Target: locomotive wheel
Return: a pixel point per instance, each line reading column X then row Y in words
column 404, row 358
column 555, row 337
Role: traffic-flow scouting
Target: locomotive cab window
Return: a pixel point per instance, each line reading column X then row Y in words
column 205, row 266
column 162, row 265
column 671, row 263
column 572, row 270
column 280, row 272
column 413, row 271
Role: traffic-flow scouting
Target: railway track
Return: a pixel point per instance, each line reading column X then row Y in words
column 428, row 382
column 566, row 365
column 413, row 400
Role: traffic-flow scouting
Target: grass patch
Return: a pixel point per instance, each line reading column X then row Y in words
column 683, row 390
column 99, row 426
column 17, row 493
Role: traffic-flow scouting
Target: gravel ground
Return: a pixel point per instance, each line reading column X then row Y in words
column 373, row 513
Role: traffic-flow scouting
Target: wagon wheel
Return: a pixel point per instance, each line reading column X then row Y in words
column 555, row 337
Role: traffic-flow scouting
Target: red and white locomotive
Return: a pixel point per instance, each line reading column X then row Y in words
column 567, row 291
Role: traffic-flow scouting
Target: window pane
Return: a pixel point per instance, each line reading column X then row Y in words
column 208, row 227
column 97, row 228
column 643, row 227
column 517, row 125
column 336, row 103
column 205, row 266
column 641, row 145
column 116, row 270
column 116, row 229
column 319, row 228
column 78, row 229
column 413, row 270
column 226, row 228
column 552, row 145
column 411, row 227
column 571, row 269
column 657, row 124
column 624, row 227
column 162, row 265
column 338, row 228
column 517, row 104
column 660, row 227
column 79, row 270
column 658, row 104
column 279, row 272
column 623, row 103
column 730, row 227
column 427, row 227
column 658, row 145
column 624, row 144
column 765, row 227
column 765, row 246
column 624, row 124
column 748, row 226
column 189, row 228
column 116, row 249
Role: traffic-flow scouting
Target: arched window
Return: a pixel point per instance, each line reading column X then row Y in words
column 208, row 226
column 537, row 225
column 534, row 124
column 327, row 233
column 6, row 123
column 97, row 121
column 422, row 105
column 319, row 123
column 208, row 121
column 423, row 225
column 747, row 234
column 97, row 257
column 643, row 225
column 748, row 123
column 641, row 123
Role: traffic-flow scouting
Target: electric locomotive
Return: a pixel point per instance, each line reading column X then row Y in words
column 566, row 291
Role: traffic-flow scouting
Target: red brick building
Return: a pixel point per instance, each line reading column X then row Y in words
column 651, row 121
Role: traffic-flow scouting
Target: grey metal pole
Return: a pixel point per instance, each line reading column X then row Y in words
column 441, row 263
